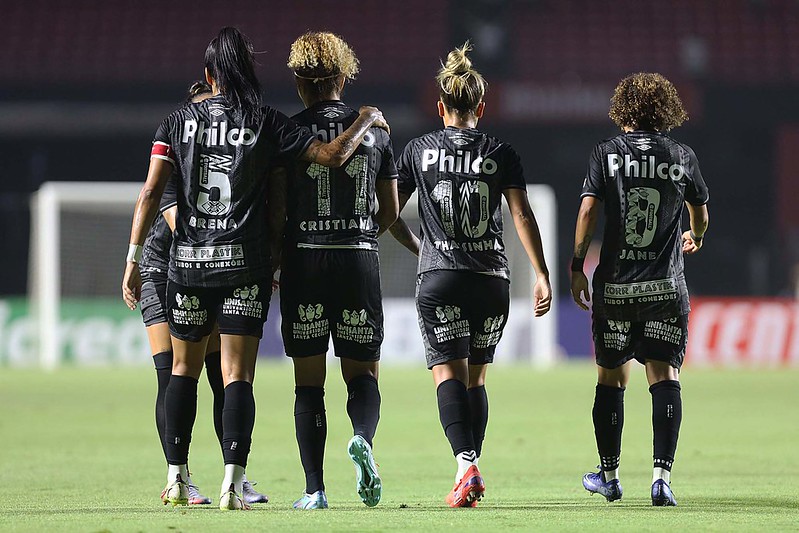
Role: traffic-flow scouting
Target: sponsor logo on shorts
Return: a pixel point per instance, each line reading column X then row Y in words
column 353, row 326
column 493, row 332
column 452, row 327
column 617, row 338
column 311, row 324
column 244, row 303
column 664, row 331
column 188, row 312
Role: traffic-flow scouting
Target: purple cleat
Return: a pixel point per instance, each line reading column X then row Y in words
column 611, row 490
column 662, row 495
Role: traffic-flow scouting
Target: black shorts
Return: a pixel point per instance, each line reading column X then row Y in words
column 153, row 299
column 241, row 310
column 336, row 293
column 618, row 341
column 461, row 314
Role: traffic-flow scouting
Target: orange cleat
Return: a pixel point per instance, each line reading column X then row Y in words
column 468, row 491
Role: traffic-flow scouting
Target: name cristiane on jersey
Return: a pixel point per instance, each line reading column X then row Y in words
column 646, row 167
column 336, row 224
column 217, row 134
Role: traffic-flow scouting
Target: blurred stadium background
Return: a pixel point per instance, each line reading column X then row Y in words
column 84, row 84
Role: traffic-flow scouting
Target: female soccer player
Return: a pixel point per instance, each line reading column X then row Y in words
column 644, row 177
column 220, row 267
column 330, row 282
column 153, row 266
column 462, row 292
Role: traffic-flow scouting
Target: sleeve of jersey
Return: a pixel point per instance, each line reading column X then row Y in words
column 696, row 192
column 162, row 144
column 170, row 196
column 406, row 182
column 512, row 171
column 290, row 138
column 594, row 183
column 388, row 168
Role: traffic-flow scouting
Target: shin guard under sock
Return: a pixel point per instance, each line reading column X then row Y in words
column 363, row 406
column 310, row 423
column 666, row 420
column 608, row 414
column 238, row 420
column 478, row 404
column 455, row 415
column 180, row 405
column 163, row 370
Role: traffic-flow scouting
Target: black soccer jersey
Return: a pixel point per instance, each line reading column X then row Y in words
column 335, row 207
column 460, row 175
column 221, row 159
column 644, row 178
column 157, row 245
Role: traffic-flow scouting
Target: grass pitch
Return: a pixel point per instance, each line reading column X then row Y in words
column 79, row 452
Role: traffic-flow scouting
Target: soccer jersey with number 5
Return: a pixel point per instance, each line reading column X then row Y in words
column 643, row 178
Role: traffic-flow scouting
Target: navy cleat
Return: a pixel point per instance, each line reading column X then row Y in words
column 611, row 490
column 662, row 495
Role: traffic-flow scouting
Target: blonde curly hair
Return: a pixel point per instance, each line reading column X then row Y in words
column 321, row 55
column 647, row 101
column 460, row 86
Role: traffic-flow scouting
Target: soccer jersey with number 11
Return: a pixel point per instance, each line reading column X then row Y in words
column 221, row 159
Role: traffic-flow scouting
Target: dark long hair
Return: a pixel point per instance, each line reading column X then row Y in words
column 229, row 60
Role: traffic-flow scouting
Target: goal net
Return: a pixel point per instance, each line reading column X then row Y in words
column 79, row 238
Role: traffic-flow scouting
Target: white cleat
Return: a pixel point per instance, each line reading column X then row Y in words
column 176, row 493
column 230, row 501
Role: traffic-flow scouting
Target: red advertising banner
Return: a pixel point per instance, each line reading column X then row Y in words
column 743, row 332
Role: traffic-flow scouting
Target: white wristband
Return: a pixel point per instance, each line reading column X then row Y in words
column 134, row 253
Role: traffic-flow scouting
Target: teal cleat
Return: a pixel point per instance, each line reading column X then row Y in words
column 317, row 500
column 368, row 483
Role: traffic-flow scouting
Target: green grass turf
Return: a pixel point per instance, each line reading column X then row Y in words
column 79, row 452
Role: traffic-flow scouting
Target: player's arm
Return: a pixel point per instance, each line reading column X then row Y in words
column 146, row 208
column 170, row 214
column 276, row 209
column 337, row 151
column 699, row 218
column 584, row 232
column 529, row 234
column 402, row 232
column 388, row 201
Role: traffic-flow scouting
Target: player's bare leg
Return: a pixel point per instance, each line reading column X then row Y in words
column 180, row 405
column 454, row 412
column 239, row 353
column 363, row 408
column 310, row 423
column 664, row 386
column 608, row 416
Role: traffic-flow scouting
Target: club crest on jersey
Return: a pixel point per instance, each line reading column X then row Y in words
column 217, row 134
column 461, row 161
column 334, row 129
column 646, row 167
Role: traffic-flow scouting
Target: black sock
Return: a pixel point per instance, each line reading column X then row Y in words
column 163, row 370
column 608, row 416
column 180, row 405
column 213, row 371
column 666, row 419
column 238, row 420
column 478, row 403
column 363, row 406
column 455, row 415
column 310, row 423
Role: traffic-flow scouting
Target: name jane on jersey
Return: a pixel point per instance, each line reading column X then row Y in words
column 462, row 161
column 336, row 224
column 218, row 134
column 646, row 167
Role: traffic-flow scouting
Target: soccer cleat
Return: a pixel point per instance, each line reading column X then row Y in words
column 195, row 498
column 368, row 483
column 251, row 495
column 468, row 491
column 595, row 484
column 176, row 493
column 662, row 495
column 230, row 501
column 317, row 500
